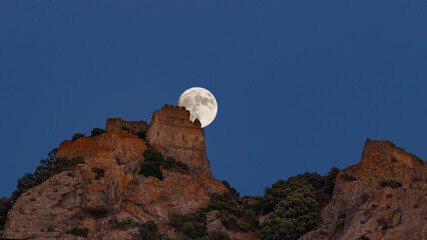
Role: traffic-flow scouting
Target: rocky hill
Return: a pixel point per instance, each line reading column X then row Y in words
column 384, row 196
column 140, row 181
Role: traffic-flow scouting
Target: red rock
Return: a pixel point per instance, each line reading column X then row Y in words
column 75, row 199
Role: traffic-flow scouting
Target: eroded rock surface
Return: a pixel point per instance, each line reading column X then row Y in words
column 76, row 198
column 362, row 209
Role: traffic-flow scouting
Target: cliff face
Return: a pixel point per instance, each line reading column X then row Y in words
column 384, row 196
column 77, row 198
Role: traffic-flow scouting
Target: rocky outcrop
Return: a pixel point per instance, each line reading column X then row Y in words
column 369, row 204
column 78, row 198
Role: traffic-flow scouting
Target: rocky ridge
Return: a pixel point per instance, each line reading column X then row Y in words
column 76, row 199
column 384, row 196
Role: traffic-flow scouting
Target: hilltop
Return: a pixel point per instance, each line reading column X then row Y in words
column 134, row 180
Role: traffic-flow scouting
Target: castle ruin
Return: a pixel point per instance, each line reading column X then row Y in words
column 118, row 123
column 176, row 135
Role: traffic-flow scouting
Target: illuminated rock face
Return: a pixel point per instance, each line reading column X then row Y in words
column 77, row 199
column 363, row 208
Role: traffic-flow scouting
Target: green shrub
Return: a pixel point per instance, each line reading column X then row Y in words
column 248, row 226
column 178, row 220
column 148, row 230
column 97, row 131
column 384, row 223
column 389, row 183
column 81, row 232
column 182, row 165
column 152, row 155
column 154, row 159
column 99, row 172
column 43, row 172
column 330, row 181
column 231, row 190
column 169, row 163
column 151, row 169
column 183, row 237
column 5, row 206
column 227, row 218
column 124, row 225
column 165, row 237
column 194, row 230
column 347, row 177
column 373, row 206
column 64, row 164
column 218, row 235
column 141, row 134
column 50, row 229
column 77, row 136
column 128, row 129
column 151, row 164
column 225, row 202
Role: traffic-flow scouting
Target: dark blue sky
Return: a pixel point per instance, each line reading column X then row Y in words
column 300, row 84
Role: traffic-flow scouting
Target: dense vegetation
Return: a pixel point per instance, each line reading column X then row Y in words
column 141, row 134
column 124, row 225
column 80, row 232
column 294, row 215
column 279, row 190
column 154, row 159
column 99, row 173
column 292, row 204
column 5, row 206
column 77, row 136
column 43, row 172
column 147, row 230
column 97, row 131
column 389, row 183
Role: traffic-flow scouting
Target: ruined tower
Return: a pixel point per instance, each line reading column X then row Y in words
column 172, row 131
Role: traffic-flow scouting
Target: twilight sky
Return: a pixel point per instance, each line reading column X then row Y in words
column 300, row 84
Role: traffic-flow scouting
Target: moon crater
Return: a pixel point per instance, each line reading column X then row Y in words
column 201, row 103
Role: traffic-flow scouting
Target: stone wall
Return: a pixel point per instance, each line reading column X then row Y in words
column 118, row 123
column 172, row 131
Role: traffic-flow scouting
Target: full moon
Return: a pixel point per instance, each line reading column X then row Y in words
column 201, row 103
